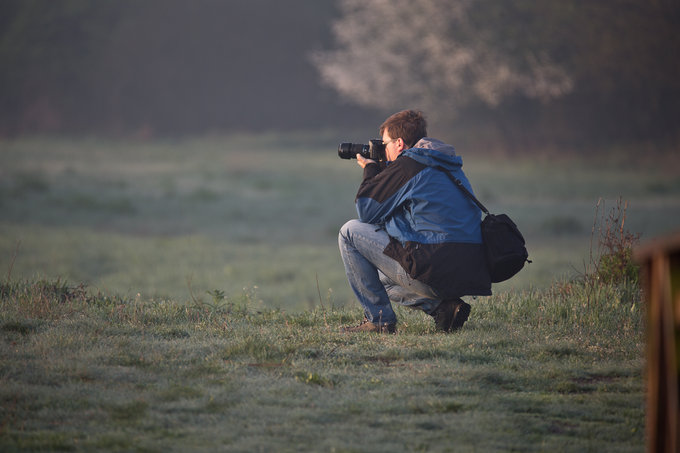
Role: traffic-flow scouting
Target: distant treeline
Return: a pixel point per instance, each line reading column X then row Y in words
column 174, row 67
column 159, row 67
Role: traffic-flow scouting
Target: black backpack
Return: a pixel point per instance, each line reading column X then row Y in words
column 506, row 251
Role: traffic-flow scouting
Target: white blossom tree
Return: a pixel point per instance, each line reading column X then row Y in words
column 436, row 55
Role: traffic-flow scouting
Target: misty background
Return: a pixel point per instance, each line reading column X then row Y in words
column 525, row 75
column 170, row 148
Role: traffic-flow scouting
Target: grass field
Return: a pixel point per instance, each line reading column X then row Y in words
column 213, row 293
column 259, row 215
column 531, row 371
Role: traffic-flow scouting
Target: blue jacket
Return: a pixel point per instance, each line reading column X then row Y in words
column 434, row 228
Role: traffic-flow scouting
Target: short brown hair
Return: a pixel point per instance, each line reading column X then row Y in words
column 409, row 125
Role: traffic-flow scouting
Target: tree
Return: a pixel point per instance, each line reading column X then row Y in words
column 435, row 54
column 574, row 69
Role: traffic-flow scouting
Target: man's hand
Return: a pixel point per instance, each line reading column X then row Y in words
column 362, row 161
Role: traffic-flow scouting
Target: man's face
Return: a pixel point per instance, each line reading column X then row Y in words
column 393, row 147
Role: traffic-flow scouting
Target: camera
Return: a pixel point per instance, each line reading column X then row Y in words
column 375, row 150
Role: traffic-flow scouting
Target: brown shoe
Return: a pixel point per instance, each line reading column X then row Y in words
column 368, row 326
column 450, row 315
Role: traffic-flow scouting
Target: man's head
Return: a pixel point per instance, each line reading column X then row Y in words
column 409, row 125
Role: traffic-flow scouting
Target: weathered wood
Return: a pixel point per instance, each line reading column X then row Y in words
column 660, row 271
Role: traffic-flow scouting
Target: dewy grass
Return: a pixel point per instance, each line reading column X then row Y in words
column 532, row 370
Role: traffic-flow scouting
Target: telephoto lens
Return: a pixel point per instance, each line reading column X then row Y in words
column 350, row 150
column 375, row 150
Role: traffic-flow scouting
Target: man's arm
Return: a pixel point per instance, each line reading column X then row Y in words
column 383, row 191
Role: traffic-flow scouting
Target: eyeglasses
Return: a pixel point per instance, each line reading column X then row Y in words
column 389, row 141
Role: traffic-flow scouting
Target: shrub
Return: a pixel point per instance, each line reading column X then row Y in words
column 613, row 262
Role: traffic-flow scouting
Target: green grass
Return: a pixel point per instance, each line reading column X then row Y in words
column 257, row 216
column 534, row 370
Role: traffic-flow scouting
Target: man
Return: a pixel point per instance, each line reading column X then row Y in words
column 417, row 241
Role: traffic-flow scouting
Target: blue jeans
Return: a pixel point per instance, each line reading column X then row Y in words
column 376, row 279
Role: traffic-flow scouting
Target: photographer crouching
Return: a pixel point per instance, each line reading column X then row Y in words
column 417, row 241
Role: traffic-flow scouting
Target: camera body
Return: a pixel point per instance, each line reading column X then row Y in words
column 375, row 150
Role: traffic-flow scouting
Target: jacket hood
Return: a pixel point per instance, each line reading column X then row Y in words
column 433, row 152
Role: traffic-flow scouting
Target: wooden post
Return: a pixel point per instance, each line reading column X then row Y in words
column 659, row 261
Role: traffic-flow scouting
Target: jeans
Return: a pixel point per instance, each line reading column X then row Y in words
column 376, row 279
